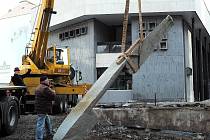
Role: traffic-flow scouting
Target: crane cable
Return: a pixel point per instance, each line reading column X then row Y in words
column 125, row 26
column 140, row 29
column 33, row 27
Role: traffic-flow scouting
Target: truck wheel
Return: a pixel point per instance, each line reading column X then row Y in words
column 10, row 114
column 74, row 100
column 0, row 124
column 65, row 105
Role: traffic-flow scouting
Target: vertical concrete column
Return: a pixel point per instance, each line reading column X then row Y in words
column 201, row 67
column 198, row 68
column 206, row 72
column 208, row 63
column 195, row 62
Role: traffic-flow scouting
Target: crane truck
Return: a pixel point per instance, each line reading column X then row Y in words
column 39, row 59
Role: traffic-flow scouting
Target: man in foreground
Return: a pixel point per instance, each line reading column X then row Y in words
column 44, row 96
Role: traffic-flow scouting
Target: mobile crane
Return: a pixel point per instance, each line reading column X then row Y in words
column 49, row 61
column 40, row 60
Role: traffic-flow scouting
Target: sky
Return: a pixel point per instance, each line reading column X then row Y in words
column 207, row 4
column 9, row 4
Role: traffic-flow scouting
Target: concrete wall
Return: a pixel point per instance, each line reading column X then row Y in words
column 194, row 119
column 71, row 9
column 163, row 72
column 116, row 96
column 105, row 59
column 82, row 52
column 83, row 48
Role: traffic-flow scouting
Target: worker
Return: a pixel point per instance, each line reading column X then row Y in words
column 17, row 79
column 44, row 96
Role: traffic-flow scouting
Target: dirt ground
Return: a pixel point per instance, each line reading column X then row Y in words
column 103, row 131
column 26, row 127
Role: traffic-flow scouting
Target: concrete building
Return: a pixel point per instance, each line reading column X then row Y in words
column 16, row 26
column 177, row 71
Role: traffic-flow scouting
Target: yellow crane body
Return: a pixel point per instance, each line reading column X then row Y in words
column 44, row 60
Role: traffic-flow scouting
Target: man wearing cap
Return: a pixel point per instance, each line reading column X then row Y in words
column 44, row 96
column 17, row 79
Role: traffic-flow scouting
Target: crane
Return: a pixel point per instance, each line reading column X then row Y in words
column 43, row 60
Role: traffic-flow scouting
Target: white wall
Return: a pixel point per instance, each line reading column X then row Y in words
column 70, row 9
column 188, row 63
column 15, row 33
column 105, row 59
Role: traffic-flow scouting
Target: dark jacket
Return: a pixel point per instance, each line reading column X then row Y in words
column 43, row 99
column 17, row 80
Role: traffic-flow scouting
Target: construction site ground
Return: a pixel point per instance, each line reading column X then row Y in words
column 110, row 129
column 26, row 131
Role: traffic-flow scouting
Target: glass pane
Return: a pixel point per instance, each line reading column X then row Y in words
column 50, row 55
column 61, row 56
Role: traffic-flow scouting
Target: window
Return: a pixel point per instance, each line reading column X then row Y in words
column 59, row 56
column 66, row 35
column 83, row 30
column 50, row 55
column 122, row 82
column 109, row 47
column 78, row 32
column 102, row 49
column 61, row 36
column 151, row 26
column 72, row 33
column 115, row 48
column 163, row 44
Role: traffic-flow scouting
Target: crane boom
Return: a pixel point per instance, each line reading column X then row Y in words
column 39, row 45
column 51, row 61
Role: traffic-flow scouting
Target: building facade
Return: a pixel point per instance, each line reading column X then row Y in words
column 178, row 70
column 16, row 26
